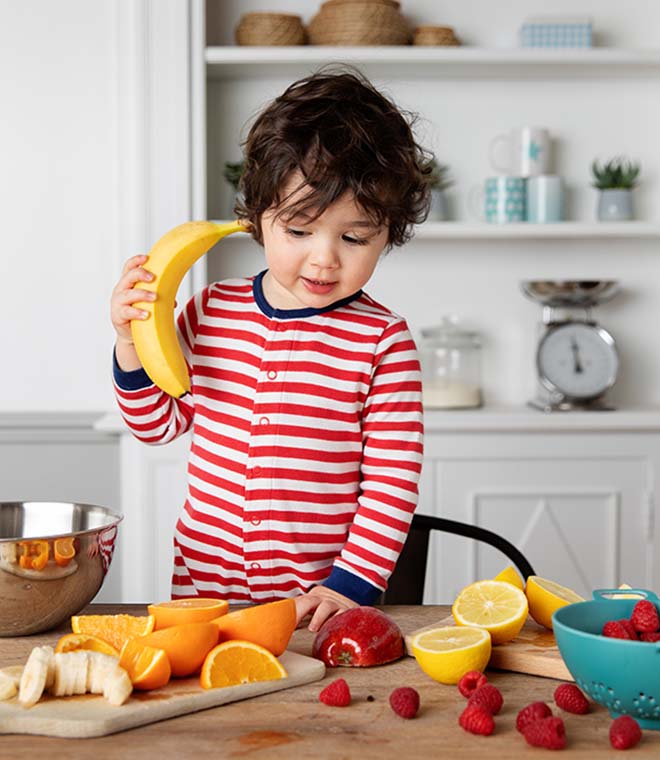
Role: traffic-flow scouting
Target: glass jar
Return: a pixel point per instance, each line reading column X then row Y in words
column 451, row 366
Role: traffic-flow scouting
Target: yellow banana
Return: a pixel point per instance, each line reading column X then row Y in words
column 155, row 338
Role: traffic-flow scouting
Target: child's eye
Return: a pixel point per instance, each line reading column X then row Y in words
column 355, row 241
column 295, row 233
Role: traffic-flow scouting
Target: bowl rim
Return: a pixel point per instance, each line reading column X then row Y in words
column 114, row 519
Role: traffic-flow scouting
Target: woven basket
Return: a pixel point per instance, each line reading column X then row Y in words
column 435, row 35
column 270, row 29
column 359, row 22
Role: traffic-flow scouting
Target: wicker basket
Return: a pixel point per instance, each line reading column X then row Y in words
column 435, row 35
column 270, row 29
column 359, row 22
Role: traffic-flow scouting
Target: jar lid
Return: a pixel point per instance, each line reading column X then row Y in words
column 449, row 333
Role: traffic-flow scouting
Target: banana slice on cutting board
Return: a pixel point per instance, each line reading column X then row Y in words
column 38, row 673
column 155, row 338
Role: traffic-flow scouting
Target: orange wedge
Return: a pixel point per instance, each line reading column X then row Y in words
column 186, row 645
column 64, row 550
column 194, row 609
column 269, row 625
column 147, row 667
column 113, row 629
column 236, row 662
column 73, row 641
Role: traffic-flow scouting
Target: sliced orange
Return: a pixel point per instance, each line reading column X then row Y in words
column 64, row 550
column 114, row 629
column 70, row 642
column 269, row 625
column 147, row 667
column 195, row 609
column 186, row 645
column 235, row 662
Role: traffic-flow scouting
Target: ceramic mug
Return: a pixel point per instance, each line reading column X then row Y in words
column 544, row 199
column 523, row 152
column 501, row 198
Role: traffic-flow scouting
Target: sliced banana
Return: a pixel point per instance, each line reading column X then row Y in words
column 8, row 685
column 117, row 687
column 100, row 666
column 70, row 673
column 35, row 675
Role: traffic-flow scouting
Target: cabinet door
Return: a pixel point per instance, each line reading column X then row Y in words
column 582, row 521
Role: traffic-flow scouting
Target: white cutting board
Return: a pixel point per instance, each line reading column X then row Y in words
column 91, row 715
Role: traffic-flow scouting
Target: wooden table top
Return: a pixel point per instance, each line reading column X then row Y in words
column 294, row 724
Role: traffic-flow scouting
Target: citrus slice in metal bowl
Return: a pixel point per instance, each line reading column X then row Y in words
column 496, row 606
column 545, row 597
column 447, row 653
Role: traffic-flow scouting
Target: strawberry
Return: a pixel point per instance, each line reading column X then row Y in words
column 614, row 630
column 547, row 732
column 645, row 617
column 336, row 694
column 569, row 698
column 487, row 696
column 471, row 681
column 405, row 702
column 649, row 636
column 624, row 732
column 477, row 720
column 530, row 713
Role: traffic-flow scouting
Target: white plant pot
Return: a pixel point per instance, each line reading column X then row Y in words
column 615, row 205
column 439, row 211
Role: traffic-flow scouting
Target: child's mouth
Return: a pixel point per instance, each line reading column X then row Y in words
column 319, row 287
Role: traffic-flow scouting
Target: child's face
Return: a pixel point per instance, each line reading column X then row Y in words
column 313, row 263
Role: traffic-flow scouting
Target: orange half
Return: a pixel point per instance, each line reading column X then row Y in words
column 235, row 662
column 186, row 645
column 194, row 609
column 70, row 642
column 147, row 667
column 269, row 625
column 113, row 629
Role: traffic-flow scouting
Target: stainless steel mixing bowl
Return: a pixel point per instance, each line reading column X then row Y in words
column 53, row 559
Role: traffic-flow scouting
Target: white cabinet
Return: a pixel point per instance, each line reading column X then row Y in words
column 576, row 495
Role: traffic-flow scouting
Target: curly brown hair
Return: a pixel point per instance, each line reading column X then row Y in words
column 342, row 135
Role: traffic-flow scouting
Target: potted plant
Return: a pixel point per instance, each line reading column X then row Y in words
column 615, row 180
column 439, row 181
column 232, row 172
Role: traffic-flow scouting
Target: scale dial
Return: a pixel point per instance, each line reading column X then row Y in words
column 577, row 360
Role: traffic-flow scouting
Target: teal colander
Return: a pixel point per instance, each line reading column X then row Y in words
column 622, row 675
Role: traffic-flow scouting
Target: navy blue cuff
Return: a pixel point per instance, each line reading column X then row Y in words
column 134, row 380
column 350, row 585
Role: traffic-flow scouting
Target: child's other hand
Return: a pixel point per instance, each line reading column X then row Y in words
column 125, row 295
column 323, row 603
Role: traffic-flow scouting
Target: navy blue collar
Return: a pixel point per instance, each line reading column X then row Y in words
column 269, row 311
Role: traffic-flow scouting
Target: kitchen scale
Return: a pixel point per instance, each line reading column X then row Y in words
column 576, row 359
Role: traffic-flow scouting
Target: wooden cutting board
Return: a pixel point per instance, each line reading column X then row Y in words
column 533, row 651
column 90, row 715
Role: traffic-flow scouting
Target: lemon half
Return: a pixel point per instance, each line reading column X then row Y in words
column 544, row 597
column 510, row 575
column 496, row 606
column 449, row 652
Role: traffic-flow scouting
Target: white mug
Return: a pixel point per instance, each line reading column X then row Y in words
column 524, row 152
column 544, row 199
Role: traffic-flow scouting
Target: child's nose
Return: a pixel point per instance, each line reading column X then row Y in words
column 324, row 254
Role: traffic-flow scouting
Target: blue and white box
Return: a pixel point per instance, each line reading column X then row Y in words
column 556, row 32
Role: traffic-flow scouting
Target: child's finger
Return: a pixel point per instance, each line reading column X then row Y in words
column 134, row 261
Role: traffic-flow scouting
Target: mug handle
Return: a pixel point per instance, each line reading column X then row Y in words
column 475, row 203
column 494, row 148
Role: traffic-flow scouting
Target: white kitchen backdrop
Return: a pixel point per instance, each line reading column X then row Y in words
column 106, row 146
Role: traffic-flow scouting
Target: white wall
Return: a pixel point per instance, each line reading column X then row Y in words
column 58, row 201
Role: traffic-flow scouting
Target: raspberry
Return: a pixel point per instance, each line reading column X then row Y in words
column 629, row 627
column 624, row 732
column 477, row 720
column 405, row 702
column 547, row 732
column 655, row 636
column 614, row 630
column 569, row 698
column 530, row 713
column 471, row 681
column 336, row 694
column 645, row 617
column 487, row 696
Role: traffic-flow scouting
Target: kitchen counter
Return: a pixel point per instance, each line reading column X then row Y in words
column 293, row 723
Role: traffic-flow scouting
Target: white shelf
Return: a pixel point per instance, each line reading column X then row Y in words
column 236, row 62
column 522, row 231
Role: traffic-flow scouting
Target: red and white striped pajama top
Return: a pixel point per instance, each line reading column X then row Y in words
column 306, row 444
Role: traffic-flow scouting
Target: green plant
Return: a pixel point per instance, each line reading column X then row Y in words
column 232, row 172
column 617, row 173
column 438, row 177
